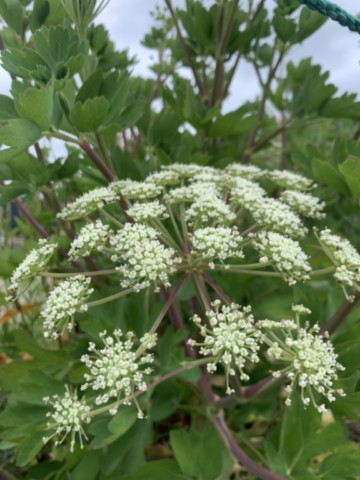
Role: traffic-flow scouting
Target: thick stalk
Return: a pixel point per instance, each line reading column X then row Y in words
column 217, row 288
column 340, row 315
column 104, row 169
column 168, row 303
column 184, row 47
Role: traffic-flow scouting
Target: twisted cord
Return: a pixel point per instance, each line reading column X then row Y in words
column 334, row 12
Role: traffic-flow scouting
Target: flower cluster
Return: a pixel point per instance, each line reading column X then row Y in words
column 92, row 237
column 344, row 256
column 63, row 302
column 68, row 415
column 144, row 259
column 33, row 264
column 232, row 339
column 285, row 254
column 278, row 216
column 291, row 180
column 143, row 212
column 88, row 203
column 304, row 203
column 217, row 243
column 209, row 209
column 310, row 360
column 133, row 190
column 117, row 370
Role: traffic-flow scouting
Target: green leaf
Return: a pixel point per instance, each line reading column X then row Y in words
column 19, row 133
column 39, row 14
column 160, row 469
column 233, row 124
column 11, row 191
column 13, row 13
column 350, row 169
column 327, row 174
column 343, row 464
column 88, row 468
column 285, row 28
column 309, row 22
column 122, row 421
column 37, row 105
column 7, row 108
column 198, row 454
column 341, row 107
column 29, row 448
column 88, row 116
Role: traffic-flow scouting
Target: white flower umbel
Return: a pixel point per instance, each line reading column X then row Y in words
column 184, row 170
column 92, row 237
column 344, row 256
column 68, row 416
column 136, row 190
column 190, row 193
column 231, row 338
column 217, row 243
column 164, row 178
column 132, row 235
column 304, row 203
column 142, row 212
column 148, row 263
column 118, row 369
column 33, row 264
column 144, row 259
column 247, row 193
column 245, row 171
column 209, row 209
column 293, row 181
column 310, row 360
column 277, row 216
column 285, row 254
column 88, row 203
column 63, row 302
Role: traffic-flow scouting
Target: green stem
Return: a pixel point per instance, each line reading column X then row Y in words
column 322, row 271
column 248, row 266
column 252, row 272
column 63, row 136
column 111, row 218
column 72, row 274
column 202, row 291
column 168, row 303
column 153, row 384
column 110, row 298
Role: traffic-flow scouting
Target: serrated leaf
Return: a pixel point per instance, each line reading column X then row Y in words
column 350, row 170
column 327, row 174
column 9, row 192
column 198, row 454
column 39, row 14
column 343, row 464
column 88, row 116
column 13, row 13
column 309, row 22
column 19, row 133
column 160, row 469
column 29, row 448
column 7, row 108
column 37, row 105
column 122, row 421
column 233, row 124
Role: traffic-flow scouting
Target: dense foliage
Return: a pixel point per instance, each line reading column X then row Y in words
column 181, row 284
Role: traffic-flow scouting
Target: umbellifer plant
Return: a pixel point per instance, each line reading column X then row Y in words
column 188, row 226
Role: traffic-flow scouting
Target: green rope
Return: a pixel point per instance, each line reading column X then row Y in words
column 334, row 12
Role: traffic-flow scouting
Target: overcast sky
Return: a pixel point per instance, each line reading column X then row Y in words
column 333, row 46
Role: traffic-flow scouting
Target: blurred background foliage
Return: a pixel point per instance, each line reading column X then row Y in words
column 70, row 85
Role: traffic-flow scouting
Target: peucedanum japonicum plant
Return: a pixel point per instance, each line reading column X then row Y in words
column 181, row 224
